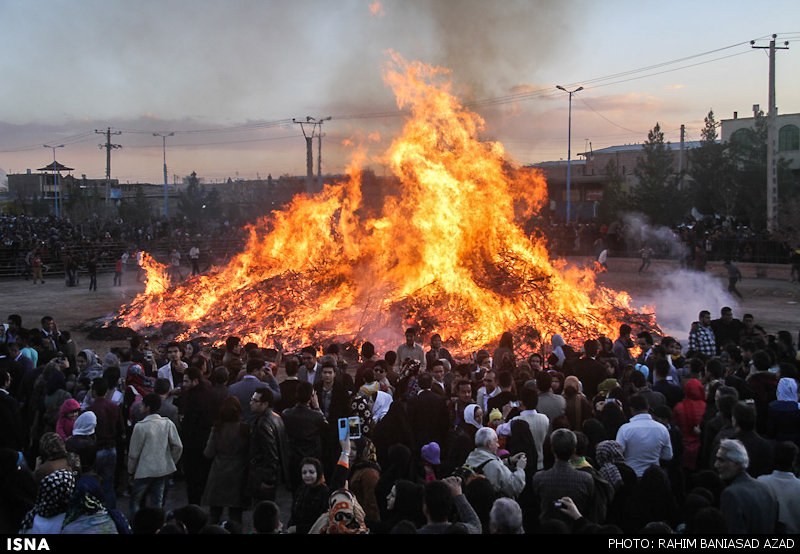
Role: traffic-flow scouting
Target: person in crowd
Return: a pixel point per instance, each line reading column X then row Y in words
column 438, row 352
column 83, row 442
column 67, row 414
column 227, row 447
column 305, row 429
column 551, row 405
column 110, row 435
column 440, row 498
column 154, row 451
column 701, row 336
column 785, row 487
column 504, row 358
column 310, row 498
column 760, row 451
column 87, row 514
column 52, row 500
column 403, row 502
column 783, row 416
column 508, row 481
column 505, row 518
column 747, row 504
column 644, row 441
column 562, row 479
column 268, row 459
column 427, row 413
column 688, row 414
column 411, row 349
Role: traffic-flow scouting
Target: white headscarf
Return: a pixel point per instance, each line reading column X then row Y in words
column 469, row 416
column 383, row 401
column 787, row 390
column 558, row 341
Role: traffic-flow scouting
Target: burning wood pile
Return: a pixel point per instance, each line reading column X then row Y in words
column 446, row 254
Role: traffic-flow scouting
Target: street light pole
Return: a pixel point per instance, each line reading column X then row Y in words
column 56, row 210
column 569, row 148
column 164, row 149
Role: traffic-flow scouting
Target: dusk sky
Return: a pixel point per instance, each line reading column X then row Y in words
column 228, row 76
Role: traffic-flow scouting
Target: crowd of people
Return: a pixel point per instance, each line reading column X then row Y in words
column 635, row 434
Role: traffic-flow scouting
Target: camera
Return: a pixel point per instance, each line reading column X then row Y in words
column 558, row 504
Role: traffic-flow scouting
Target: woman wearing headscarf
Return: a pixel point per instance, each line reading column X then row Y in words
column 228, row 447
column 610, row 461
column 53, row 456
column 504, row 358
column 558, row 356
column 688, row 414
column 404, row 502
column 578, row 407
column 88, row 515
column 397, row 466
column 311, row 497
column 52, row 500
column 462, row 441
column 393, row 428
column 67, row 414
column 783, row 415
column 380, row 408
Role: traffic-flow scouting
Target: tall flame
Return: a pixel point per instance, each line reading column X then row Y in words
column 446, row 253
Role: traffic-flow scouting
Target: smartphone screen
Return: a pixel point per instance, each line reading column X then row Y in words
column 355, row 427
column 343, row 428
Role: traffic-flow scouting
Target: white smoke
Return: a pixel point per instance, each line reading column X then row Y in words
column 662, row 240
column 681, row 295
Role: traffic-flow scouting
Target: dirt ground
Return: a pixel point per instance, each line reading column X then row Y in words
column 775, row 303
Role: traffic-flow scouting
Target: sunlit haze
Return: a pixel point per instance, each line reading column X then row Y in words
column 228, row 77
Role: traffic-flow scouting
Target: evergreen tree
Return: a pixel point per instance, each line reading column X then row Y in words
column 615, row 200
column 715, row 189
column 657, row 194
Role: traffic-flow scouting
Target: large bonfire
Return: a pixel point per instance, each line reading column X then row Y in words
column 446, row 254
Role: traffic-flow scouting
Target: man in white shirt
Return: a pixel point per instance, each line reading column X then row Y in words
column 785, row 486
column 644, row 441
column 538, row 423
column 174, row 368
column 410, row 349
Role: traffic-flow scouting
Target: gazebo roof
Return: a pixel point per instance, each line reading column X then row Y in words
column 58, row 167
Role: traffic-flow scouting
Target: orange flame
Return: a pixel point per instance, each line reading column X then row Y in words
column 447, row 253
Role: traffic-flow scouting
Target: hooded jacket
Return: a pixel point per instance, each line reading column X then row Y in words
column 506, row 482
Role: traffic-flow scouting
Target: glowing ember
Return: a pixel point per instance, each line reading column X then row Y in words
column 447, row 253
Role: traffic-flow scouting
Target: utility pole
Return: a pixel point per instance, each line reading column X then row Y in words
column 316, row 131
column 772, row 146
column 109, row 147
column 164, row 150
column 569, row 149
column 681, row 154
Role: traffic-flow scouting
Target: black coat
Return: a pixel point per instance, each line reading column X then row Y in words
column 427, row 414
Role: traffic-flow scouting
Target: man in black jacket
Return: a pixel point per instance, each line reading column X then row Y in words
column 305, row 427
column 268, row 464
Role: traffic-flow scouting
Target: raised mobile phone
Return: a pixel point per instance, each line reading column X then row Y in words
column 349, row 426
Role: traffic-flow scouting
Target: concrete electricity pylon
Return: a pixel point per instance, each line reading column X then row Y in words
column 772, row 146
column 109, row 147
column 315, row 125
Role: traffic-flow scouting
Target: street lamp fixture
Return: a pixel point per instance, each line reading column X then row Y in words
column 56, row 207
column 164, row 149
column 569, row 148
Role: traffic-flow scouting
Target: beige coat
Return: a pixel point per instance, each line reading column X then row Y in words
column 155, row 448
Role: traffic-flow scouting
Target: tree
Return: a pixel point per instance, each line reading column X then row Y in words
column 137, row 209
column 615, row 201
column 657, row 194
column 715, row 189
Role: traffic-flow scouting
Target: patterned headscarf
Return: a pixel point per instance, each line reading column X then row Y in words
column 345, row 516
column 607, row 453
column 86, row 499
column 53, row 496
